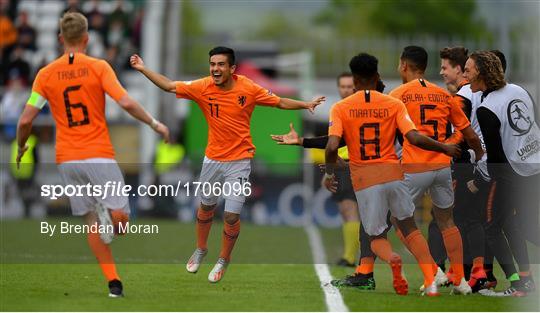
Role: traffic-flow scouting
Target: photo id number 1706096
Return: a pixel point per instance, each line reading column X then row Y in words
column 207, row 189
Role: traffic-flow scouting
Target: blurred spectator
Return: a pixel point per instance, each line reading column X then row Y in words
column 118, row 25
column 18, row 67
column 116, row 34
column 72, row 6
column 97, row 28
column 11, row 106
column 136, row 33
column 8, row 35
column 9, row 7
column 97, row 20
column 96, row 46
column 7, row 29
column 109, row 26
column 26, row 33
column 119, row 45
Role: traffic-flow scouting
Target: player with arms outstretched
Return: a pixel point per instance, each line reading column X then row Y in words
column 227, row 101
column 75, row 85
column 367, row 121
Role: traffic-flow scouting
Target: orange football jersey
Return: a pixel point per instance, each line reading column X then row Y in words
column 368, row 120
column 74, row 85
column 431, row 108
column 228, row 114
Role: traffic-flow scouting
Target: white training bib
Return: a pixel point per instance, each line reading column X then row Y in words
column 476, row 99
column 519, row 131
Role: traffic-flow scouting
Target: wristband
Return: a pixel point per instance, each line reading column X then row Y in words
column 154, row 124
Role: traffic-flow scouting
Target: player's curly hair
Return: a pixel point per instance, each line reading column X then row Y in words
column 489, row 69
column 501, row 57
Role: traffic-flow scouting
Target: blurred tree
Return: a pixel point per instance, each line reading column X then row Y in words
column 435, row 17
column 191, row 20
column 278, row 26
column 407, row 17
column 349, row 18
column 195, row 51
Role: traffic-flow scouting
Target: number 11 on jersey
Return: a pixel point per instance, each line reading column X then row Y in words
column 214, row 108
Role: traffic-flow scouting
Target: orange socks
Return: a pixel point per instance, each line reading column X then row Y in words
column 204, row 223
column 366, row 265
column 103, row 255
column 402, row 238
column 419, row 248
column 478, row 262
column 230, row 234
column 382, row 248
column 434, row 265
column 454, row 250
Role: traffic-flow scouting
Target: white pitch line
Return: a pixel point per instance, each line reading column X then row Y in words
column 332, row 296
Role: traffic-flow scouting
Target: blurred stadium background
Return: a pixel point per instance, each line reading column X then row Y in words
column 296, row 49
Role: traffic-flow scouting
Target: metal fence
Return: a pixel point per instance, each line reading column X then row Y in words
column 332, row 54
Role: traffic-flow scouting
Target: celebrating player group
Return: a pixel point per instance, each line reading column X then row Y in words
column 471, row 147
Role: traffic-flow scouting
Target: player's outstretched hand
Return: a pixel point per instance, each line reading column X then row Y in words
column 330, row 183
column 291, row 138
column 163, row 131
column 453, row 150
column 315, row 102
column 136, row 62
column 20, row 153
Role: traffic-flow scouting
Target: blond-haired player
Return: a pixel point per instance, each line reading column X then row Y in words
column 75, row 85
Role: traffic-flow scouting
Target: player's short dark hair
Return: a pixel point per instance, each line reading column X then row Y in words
column 344, row 74
column 455, row 56
column 226, row 51
column 489, row 69
column 364, row 66
column 501, row 57
column 417, row 57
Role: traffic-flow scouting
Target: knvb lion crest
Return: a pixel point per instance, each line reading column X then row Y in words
column 519, row 117
column 242, row 100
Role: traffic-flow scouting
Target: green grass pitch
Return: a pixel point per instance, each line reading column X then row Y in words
column 271, row 271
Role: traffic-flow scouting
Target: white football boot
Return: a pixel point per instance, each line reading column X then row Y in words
column 105, row 220
column 462, row 289
column 510, row 292
column 218, row 271
column 431, row 291
column 195, row 260
column 440, row 279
